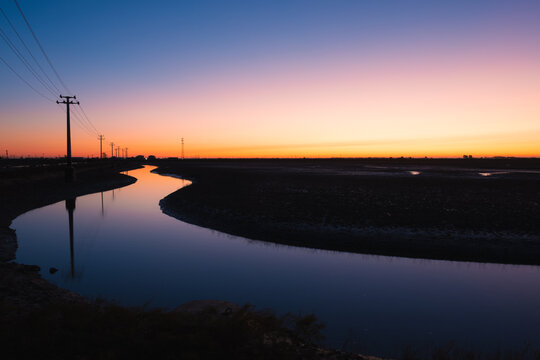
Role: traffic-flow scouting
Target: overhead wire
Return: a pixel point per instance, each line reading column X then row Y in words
column 87, row 118
column 28, row 50
column 41, row 47
column 82, row 125
column 78, row 113
column 80, row 121
column 26, row 82
column 25, row 62
column 77, row 121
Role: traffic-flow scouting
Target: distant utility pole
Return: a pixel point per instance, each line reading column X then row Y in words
column 182, row 148
column 126, row 153
column 112, row 149
column 7, row 154
column 100, row 138
column 69, row 168
column 118, row 151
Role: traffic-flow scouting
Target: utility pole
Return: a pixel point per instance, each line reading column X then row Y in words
column 126, row 153
column 7, row 154
column 100, row 138
column 118, row 151
column 182, row 148
column 69, row 168
column 112, row 150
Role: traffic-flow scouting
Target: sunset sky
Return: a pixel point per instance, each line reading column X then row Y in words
column 278, row 78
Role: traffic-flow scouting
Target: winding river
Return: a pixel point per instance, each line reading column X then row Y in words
column 118, row 245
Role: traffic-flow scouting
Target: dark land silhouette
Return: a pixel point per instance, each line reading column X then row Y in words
column 458, row 209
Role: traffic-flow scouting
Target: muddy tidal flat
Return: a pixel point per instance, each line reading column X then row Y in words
column 483, row 210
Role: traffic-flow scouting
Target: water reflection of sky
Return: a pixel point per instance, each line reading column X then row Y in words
column 132, row 253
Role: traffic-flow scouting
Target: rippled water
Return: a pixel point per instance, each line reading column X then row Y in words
column 125, row 249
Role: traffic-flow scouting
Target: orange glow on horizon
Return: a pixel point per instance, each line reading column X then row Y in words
column 437, row 105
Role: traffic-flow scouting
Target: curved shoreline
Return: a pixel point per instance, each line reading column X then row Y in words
column 201, row 204
column 32, row 307
column 22, row 284
column 30, row 195
column 384, row 241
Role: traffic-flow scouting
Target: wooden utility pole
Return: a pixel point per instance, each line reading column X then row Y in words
column 100, row 138
column 112, row 150
column 69, row 168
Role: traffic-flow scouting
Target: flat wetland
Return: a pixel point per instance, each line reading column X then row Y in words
column 473, row 210
column 457, row 209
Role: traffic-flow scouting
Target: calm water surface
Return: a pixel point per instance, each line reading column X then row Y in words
column 125, row 249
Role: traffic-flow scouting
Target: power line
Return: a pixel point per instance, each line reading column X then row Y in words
column 24, row 61
column 77, row 117
column 26, row 82
column 82, row 119
column 82, row 124
column 28, row 50
column 41, row 47
column 87, row 118
column 79, row 123
column 85, row 123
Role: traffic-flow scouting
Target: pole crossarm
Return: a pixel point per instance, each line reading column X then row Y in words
column 68, row 100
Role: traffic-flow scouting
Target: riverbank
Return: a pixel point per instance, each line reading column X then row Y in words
column 37, row 318
column 483, row 210
column 25, row 189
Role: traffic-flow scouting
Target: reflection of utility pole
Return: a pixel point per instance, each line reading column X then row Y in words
column 69, row 168
column 102, row 208
column 101, row 138
column 70, row 206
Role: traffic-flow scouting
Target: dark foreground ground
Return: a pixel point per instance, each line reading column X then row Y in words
column 429, row 208
column 40, row 321
column 291, row 200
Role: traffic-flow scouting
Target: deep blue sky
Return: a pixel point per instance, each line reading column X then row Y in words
column 101, row 42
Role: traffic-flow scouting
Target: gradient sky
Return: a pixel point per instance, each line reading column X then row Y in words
column 280, row 78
